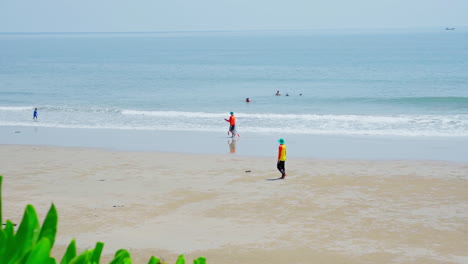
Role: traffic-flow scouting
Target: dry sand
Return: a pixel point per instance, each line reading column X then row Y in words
column 163, row 204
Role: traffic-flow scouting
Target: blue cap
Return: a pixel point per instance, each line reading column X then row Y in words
column 232, row 113
column 281, row 141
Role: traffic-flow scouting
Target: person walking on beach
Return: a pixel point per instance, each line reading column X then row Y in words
column 232, row 124
column 281, row 158
column 35, row 113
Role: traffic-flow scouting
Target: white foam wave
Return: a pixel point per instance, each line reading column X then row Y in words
column 369, row 118
column 312, row 124
column 16, row 108
column 361, row 132
column 262, row 130
column 66, row 109
column 113, row 127
column 397, row 119
column 84, row 109
column 173, row 114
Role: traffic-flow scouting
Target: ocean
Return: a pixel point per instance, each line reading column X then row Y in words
column 390, row 83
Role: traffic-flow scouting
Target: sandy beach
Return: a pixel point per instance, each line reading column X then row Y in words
column 165, row 204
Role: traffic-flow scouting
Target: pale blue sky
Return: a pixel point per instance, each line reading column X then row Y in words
column 207, row 15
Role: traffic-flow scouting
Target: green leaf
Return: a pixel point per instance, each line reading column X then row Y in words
column 9, row 241
column 3, row 244
column 154, row 260
column 83, row 258
column 122, row 253
column 27, row 234
column 49, row 227
column 97, row 253
column 121, row 257
column 22, row 260
column 180, row 259
column 40, row 254
column 200, row 260
column 9, row 231
column 70, row 253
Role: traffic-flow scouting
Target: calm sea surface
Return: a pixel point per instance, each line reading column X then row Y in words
column 352, row 83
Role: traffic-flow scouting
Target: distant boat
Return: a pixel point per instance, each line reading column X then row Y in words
column 449, row 28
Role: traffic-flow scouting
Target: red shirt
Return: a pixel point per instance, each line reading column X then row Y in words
column 232, row 120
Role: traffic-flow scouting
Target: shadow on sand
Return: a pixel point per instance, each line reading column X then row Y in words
column 274, row 179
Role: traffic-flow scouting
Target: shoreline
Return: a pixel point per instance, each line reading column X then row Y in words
column 165, row 204
column 252, row 144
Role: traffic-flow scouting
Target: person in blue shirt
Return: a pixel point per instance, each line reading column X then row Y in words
column 35, row 113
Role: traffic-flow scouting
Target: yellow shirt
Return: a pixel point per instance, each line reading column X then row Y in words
column 282, row 152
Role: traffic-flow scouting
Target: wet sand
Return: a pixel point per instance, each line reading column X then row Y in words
column 165, row 204
column 250, row 144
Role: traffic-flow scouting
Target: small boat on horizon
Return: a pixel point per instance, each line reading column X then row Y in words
column 449, row 28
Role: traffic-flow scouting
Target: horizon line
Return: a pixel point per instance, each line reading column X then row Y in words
column 218, row 31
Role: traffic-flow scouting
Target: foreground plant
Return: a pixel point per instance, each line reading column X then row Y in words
column 33, row 243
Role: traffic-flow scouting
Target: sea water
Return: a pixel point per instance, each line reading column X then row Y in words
column 358, row 83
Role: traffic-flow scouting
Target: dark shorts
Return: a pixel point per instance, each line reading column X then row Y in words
column 232, row 128
column 281, row 167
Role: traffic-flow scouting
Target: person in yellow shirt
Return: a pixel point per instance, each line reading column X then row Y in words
column 281, row 158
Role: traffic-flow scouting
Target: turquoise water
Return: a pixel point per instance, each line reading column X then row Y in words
column 361, row 83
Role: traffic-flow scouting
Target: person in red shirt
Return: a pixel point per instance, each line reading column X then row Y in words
column 232, row 124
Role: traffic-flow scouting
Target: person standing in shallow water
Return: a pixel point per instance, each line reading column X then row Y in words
column 232, row 124
column 35, row 113
column 281, row 158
